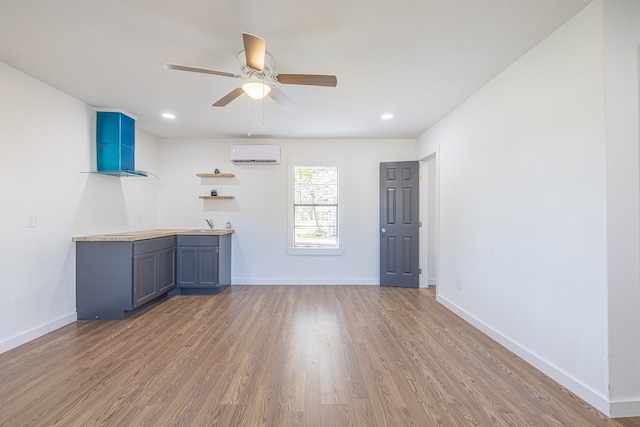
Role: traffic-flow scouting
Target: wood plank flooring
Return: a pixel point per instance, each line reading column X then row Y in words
column 283, row 356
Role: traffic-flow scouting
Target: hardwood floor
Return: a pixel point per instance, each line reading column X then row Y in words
column 283, row 356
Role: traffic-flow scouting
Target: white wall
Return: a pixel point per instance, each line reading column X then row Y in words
column 523, row 209
column 622, row 40
column 259, row 212
column 46, row 143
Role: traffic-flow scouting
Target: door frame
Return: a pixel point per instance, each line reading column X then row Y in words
column 430, row 217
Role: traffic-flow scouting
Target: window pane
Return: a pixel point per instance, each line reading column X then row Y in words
column 315, row 206
column 316, row 225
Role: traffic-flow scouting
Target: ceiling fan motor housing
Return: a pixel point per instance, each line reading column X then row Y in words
column 249, row 72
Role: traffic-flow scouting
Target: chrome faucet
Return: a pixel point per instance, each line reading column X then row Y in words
column 210, row 222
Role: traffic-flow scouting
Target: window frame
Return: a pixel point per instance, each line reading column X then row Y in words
column 311, row 249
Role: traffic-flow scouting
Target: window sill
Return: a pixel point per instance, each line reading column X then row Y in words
column 315, row 251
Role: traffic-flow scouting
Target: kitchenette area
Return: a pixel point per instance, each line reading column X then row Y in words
column 121, row 274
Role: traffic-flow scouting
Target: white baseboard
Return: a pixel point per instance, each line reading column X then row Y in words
column 336, row 282
column 34, row 333
column 629, row 408
column 590, row 396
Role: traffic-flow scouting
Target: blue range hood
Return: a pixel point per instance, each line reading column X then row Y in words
column 116, row 143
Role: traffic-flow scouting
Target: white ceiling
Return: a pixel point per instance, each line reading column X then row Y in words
column 417, row 59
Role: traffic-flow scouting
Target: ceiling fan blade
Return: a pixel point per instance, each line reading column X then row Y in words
column 229, row 97
column 254, row 49
column 307, row 79
column 200, row 70
column 282, row 99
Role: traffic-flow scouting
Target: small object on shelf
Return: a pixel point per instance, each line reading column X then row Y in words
column 228, row 224
column 214, row 192
column 216, row 171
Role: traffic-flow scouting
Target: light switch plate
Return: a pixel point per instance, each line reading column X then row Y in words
column 31, row 220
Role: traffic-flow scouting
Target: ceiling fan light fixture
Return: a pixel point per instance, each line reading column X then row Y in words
column 256, row 90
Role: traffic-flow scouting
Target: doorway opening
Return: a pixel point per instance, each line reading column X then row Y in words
column 429, row 214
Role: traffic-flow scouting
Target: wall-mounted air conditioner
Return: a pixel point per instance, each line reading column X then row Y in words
column 255, row 154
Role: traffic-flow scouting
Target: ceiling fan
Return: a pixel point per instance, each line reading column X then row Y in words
column 257, row 71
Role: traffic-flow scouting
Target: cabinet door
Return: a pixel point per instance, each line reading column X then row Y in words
column 144, row 278
column 208, row 266
column 187, row 258
column 166, row 270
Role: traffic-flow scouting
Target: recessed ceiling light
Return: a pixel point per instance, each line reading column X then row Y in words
column 168, row 116
column 386, row 116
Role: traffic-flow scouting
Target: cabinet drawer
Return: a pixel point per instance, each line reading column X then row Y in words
column 197, row 240
column 152, row 245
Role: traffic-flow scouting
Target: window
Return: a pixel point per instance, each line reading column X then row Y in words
column 315, row 206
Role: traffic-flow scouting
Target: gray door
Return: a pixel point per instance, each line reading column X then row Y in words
column 399, row 224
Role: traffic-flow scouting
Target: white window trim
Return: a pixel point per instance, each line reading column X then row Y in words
column 310, row 250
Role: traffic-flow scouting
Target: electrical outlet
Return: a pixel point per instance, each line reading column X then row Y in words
column 459, row 282
column 31, row 220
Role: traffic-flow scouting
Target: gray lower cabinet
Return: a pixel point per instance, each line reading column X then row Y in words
column 153, row 274
column 116, row 279
column 204, row 264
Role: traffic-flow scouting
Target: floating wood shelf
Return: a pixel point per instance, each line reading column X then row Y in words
column 216, row 175
column 217, row 197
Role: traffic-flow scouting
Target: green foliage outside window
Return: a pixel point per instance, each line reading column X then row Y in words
column 315, row 205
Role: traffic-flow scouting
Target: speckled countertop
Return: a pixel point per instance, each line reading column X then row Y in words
column 132, row 236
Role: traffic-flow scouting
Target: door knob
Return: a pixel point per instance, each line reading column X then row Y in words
column 383, row 230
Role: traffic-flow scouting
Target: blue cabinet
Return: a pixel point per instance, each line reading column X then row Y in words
column 115, row 139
